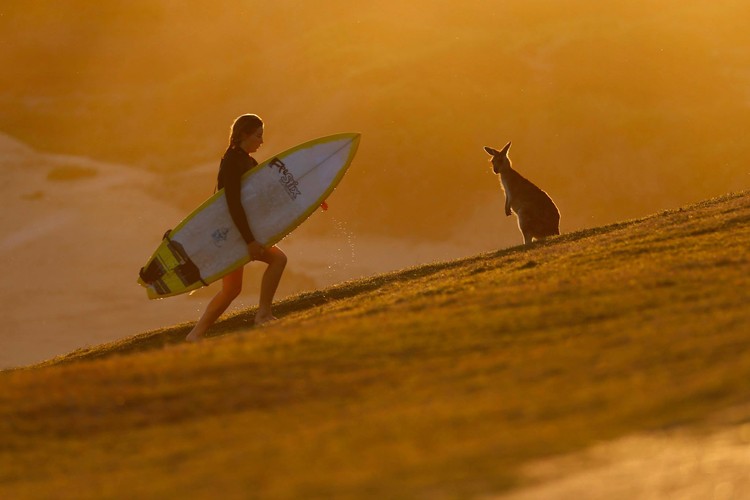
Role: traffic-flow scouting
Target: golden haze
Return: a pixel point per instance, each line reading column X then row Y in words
column 616, row 110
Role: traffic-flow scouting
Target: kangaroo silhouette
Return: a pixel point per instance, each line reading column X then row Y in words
column 538, row 216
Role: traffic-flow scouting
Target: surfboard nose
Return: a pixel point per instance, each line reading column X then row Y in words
column 356, row 136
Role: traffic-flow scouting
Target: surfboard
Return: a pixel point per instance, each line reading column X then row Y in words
column 278, row 195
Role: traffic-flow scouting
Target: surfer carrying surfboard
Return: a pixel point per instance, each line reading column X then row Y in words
column 245, row 138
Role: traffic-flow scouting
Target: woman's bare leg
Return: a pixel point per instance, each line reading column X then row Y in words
column 230, row 289
column 276, row 260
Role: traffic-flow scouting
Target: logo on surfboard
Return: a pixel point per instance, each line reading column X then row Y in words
column 220, row 236
column 287, row 179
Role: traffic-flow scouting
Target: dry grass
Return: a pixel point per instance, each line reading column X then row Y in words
column 437, row 381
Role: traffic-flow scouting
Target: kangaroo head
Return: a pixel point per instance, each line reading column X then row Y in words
column 500, row 160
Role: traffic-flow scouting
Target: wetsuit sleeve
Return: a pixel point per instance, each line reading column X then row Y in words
column 232, row 176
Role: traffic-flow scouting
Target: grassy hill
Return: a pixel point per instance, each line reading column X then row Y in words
column 437, row 381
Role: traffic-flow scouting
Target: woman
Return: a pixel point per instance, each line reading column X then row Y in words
column 245, row 138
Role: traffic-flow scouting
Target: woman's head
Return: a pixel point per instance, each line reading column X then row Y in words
column 244, row 128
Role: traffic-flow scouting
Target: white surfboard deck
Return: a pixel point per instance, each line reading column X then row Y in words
column 278, row 195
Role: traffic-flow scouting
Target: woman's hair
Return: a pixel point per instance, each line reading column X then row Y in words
column 244, row 124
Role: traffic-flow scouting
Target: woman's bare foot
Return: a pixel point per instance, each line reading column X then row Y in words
column 264, row 319
column 194, row 336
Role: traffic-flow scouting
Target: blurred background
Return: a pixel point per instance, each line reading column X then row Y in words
column 114, row 115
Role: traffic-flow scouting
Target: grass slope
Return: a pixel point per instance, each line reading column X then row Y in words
column 442, row 380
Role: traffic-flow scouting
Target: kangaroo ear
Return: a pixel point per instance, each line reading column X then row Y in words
column 505, row 149
column 491, row 152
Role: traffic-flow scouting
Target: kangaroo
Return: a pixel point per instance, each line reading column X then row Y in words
column 537, row 214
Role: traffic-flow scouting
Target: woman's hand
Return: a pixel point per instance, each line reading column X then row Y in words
column 255, row 250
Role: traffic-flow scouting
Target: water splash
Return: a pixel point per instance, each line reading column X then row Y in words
column 345, row 254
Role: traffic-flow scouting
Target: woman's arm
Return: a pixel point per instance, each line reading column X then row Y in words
column 232, row 176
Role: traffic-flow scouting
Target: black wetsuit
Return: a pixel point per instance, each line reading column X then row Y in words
column 234, row 164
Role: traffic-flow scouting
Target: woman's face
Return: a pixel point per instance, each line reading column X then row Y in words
column 253, row 140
